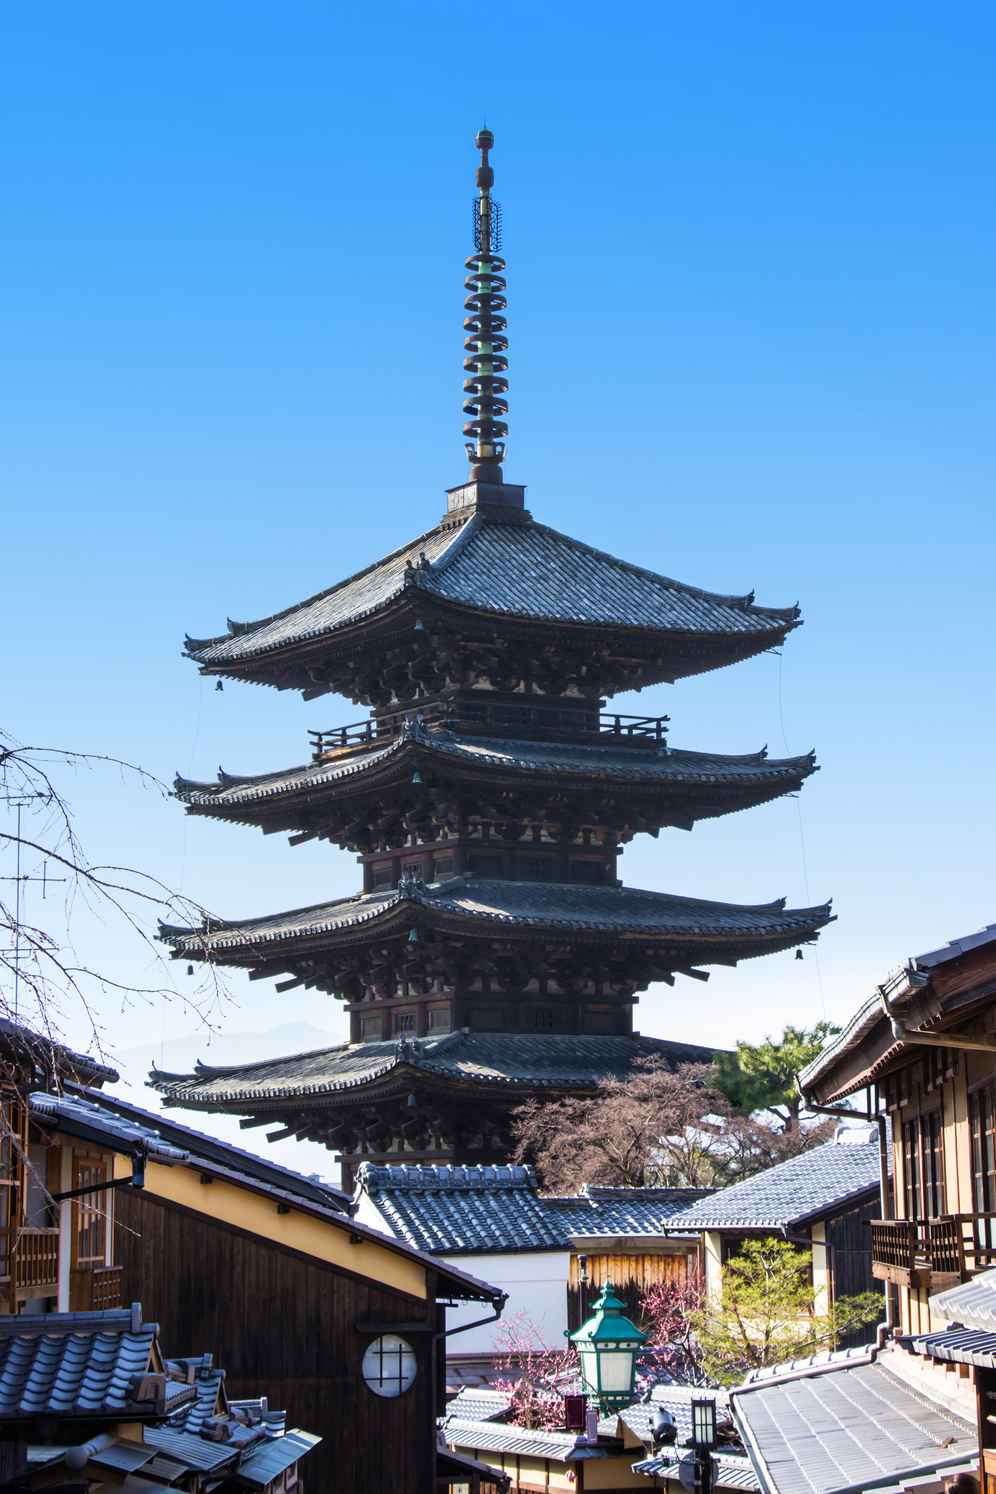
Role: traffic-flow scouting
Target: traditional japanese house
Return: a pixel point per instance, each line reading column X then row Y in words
column 86, row 1394
column 339, row 1324
column 623, row 1456
column 920, row 1056
column 552, row 1255
column 88, row 1401
column 822, row 1200
column 492, row 953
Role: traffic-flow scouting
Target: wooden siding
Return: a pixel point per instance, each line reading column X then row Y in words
column 631, row 1277
column 848, row 1240
column 281, row 1325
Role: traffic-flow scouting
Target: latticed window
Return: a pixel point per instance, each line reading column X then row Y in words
column 981, row 1121
column 923, row 1165
column 91, row 1215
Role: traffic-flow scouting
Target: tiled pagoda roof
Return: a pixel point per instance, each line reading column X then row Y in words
column 567, row 760
column 530, row 908
column 482, row 1062
column 523, row 570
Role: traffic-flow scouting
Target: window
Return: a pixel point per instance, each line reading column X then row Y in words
column 412, row 868
column 443, row 866
column 389, row 1366
column 923, row 1166
column 547, row 1018
column 370, row 1028
column 404, row 1021
column 982, row 1126
column 382, row 876
column 539, row 868
column 439, row 1021
column 91, row 1215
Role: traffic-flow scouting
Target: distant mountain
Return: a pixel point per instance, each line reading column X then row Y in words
column 178, row 1055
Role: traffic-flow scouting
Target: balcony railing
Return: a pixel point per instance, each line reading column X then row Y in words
column 492, row 716
column 95, row 1290
column 35, row 1263
column 933, row 1253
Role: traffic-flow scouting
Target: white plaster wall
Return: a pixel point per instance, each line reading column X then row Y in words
column 536, row 1283
column 712, row 1243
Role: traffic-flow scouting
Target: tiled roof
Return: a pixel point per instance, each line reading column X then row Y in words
column 268, row 1460
column 956, row 947
column 585, row 761
column 491, row 1436
column 799, row 1189
column 621, row 1211
column 541, row 905
column 189, row 1448
column 478, row 1403
column 89, row 1120
column 959, row 1346
column 857, row 1032
column 826, row 1359
column 514, row 570
column 73, row 1364
column 972, row 1303
column 521, row 1060
column 728, row 1472
column 847, row 1430
column 473, row 1210
column 26, row 1046
column 209, row 1149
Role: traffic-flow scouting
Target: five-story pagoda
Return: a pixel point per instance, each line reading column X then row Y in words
column 492, row 955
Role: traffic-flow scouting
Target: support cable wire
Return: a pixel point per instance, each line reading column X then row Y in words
column 802, row 840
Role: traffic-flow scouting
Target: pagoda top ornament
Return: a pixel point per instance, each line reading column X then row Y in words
column 486, row 343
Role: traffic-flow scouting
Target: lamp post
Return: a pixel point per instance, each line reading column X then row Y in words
column 703, row 1440
column 608, row 1345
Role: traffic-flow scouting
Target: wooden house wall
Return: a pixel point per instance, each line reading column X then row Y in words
column 848, row 1241
column 631, row 1276
column 281, row 1325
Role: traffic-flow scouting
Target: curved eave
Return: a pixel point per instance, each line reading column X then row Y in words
column 309, row 788
column 250, row 944
column 402, row 1067
column 437, row 579
column 686, row 652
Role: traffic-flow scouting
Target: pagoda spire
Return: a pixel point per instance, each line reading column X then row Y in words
column 485, row 343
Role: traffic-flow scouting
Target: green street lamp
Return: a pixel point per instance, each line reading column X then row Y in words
column 608, row 1345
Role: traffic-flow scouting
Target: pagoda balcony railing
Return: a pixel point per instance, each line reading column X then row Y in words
column 529, row 719
column 933, row 1253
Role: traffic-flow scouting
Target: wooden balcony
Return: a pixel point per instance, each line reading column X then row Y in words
column 35, row 1264
column 933, row 1254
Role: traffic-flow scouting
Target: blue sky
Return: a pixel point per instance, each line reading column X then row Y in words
column 749, row 254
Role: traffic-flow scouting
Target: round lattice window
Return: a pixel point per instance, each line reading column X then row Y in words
column 389, row 1365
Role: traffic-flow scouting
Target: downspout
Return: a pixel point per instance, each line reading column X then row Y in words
column 498, row 1307
column 885, row 1330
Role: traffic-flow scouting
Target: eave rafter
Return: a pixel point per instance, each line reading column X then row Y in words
column 417, row 644
column 415, row 788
